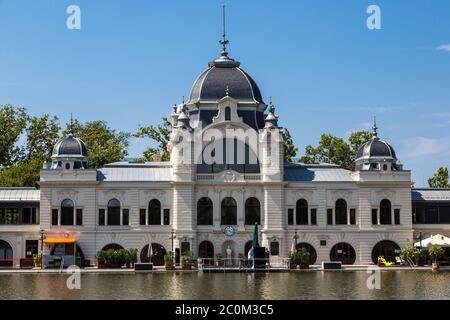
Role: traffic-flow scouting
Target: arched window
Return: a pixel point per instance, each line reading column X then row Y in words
column 113, row 212
column 155, row 254
column 302, row 212
column 385, row 212
column 112, row 246
column 67, row 210
column 252, row 211
column 344, row 253
column 389, row 250
column 204, row 212
column 228, row 212
column 6, row 254
column 154, row 212
column 227, row 114
column 341, row 211
column 310, row 249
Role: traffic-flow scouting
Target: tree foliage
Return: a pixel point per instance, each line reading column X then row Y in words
column 336, row 150
column 159, row 134
column 13, row 122
column 105, row 145
column 42, row 135
column 23, row 174
column 290, row 151
column 439, row 179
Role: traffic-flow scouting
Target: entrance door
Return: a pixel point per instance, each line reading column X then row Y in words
column 31, row 248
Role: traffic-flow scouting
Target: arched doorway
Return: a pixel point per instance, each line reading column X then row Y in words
column 112, row 246
column 310, row 249
column 344, row 253
column 6, row 254
column 206, row 251
column 388, row 249
column 80, row 257
column 157, row 254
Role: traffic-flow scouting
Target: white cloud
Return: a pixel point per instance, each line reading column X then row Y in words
column 444, row 47
column 422, row 147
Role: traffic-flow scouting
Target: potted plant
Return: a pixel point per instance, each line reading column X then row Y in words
column 436, row 252
column 133, row 256
column 186, row 261
column 419, row 258
column 293, row 261
column 168, row 261
column 219, row 258
column 37, row 260
column 409, row 253
column 303, row 257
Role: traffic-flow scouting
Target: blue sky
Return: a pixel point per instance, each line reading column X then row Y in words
column 325, row 70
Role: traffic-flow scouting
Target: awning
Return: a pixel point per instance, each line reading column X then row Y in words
column 60, row 240
column 438, row 239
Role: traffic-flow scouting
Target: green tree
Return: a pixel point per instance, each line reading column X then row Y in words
column 440, row 179
column 105, row 145
column 290, row 151
column 13, row 122
column 159, row 134
column 335, row 150
column 42, row 135
column 23, row 174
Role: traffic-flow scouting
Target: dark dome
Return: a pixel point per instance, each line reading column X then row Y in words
column 71, row 146
column 225, row 73
column 376, row 148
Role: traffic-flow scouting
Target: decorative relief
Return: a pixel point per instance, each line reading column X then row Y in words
column 385, row 194
column 229, row 176
column 67, row 194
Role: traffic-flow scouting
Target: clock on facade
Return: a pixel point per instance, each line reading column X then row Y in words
column 229, row 231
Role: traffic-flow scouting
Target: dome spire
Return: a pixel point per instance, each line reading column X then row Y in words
column 375, row 128
column 224, row 41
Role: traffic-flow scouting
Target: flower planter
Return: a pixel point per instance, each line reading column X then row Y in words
column 293, row 267
column 186, row 267
column 435, row 266
column 304, row 266
column 109, row 266
column 170, row 267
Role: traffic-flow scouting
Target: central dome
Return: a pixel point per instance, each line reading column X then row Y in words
column 224, row 75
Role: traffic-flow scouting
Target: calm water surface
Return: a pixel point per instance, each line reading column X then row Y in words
column 310, row 285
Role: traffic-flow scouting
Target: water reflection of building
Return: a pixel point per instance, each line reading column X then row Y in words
column 334, row 213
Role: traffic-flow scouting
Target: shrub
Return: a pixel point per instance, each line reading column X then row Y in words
column 409, row 252
column 186, row 258
column 303, row 256
column 168, row 258
column 436, row 252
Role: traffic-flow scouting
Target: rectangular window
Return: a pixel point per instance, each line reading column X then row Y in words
column 323, row 243
column 290, row 217
column 166, row 218
column 54, row 217
column 374, row 216
column 142, row 217
column 314, row 217
column 275, row 248
column 10, row 216
column 419, row 215
column 101, row 217
column 330, row 216
column 79, row 219
column 397, row 216
column 125, row 217
column 432, row 215
column 26, row 215
column 352, row 216
column 444, row 215
column 185, row 247
column 34, row 216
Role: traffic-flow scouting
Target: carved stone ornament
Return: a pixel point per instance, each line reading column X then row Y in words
column 68, row 194
column 229, row 176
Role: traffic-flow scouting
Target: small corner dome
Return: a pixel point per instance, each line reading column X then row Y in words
column 70, row 146
column 224, row 74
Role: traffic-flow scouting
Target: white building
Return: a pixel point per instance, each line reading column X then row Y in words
column 205, row 208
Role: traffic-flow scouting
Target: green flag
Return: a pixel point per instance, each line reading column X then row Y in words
column 255, row 243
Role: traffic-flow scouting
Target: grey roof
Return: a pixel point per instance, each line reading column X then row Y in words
column 316, row 173
column 430, row 195
column 19, row 194
column 70, row 145
column 212, row 85
column 376, row 148
column 135, row 172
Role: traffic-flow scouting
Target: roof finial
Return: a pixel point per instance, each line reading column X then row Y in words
column 183, row 99
column 71, row 124
column 227, row 91
column 224, row 40
column 375, row 128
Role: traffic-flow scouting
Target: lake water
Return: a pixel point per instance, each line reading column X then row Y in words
column 229, row 286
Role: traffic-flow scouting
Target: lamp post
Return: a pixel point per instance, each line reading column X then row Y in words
column 173, row 236
column 42, row 233
column 420, row 239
